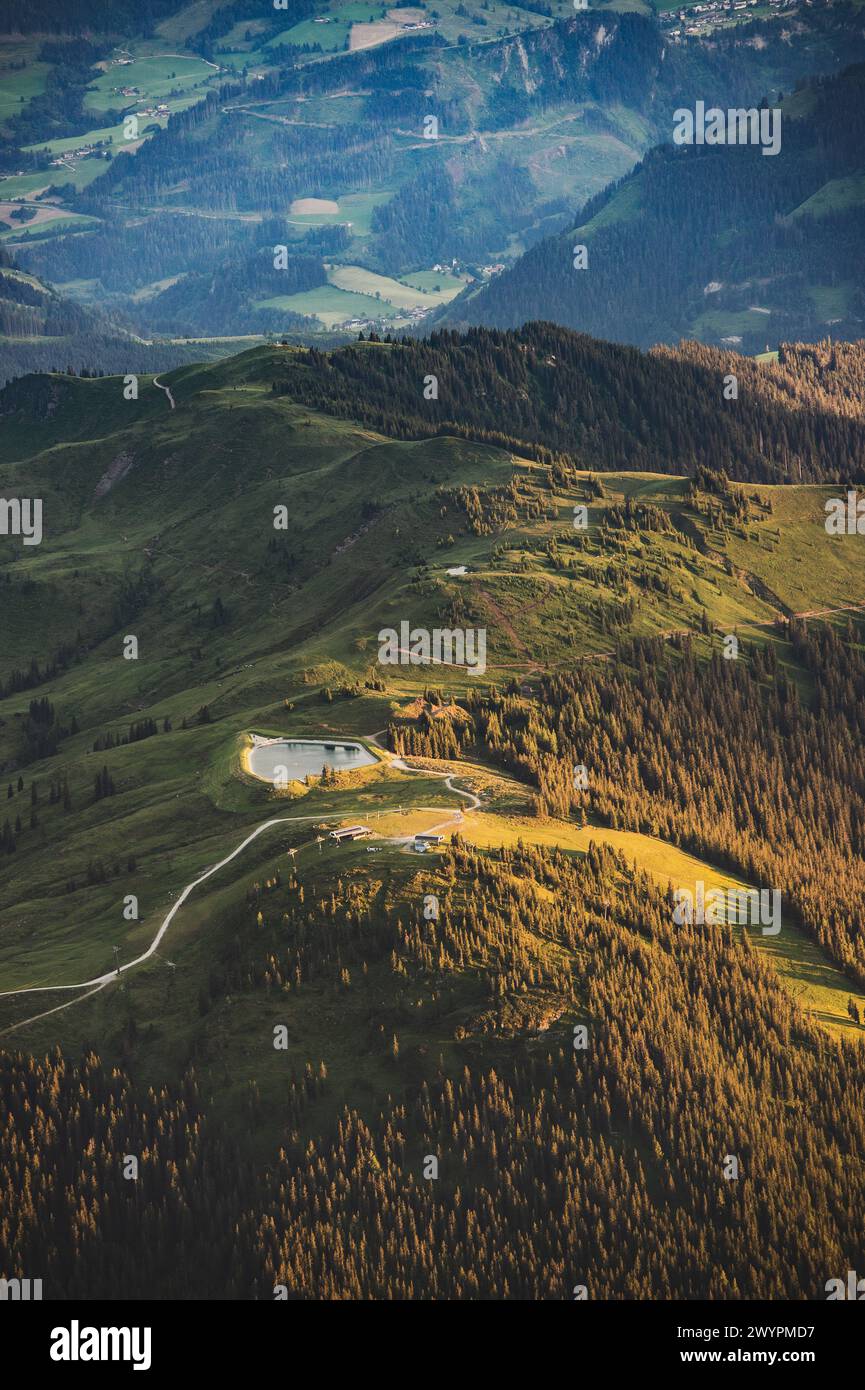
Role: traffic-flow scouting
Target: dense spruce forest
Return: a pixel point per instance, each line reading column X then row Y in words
column 561, row 1166
column 697, row 233
column 601, row 1168
column 79, row 16
column 725, row 759
column 602, row 405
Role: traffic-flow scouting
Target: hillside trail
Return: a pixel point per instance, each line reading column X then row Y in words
column 166, row 389
column 504, row 621
column 187, row 56
column 99, row 982
column 806, row 613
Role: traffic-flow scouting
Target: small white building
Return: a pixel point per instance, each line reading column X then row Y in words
column 424, row 842
column 350, row 832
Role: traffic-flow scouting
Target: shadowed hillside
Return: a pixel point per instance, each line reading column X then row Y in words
column 718, row 243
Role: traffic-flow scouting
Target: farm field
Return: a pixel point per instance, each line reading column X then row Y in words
column 156, row 79
column 329, row 304
column 58, row 221
column 357, row 25
column 354, row 292
column 353, row 209
column 37, row 214
column 835, row 196
column 19, row 86
column 397, row 293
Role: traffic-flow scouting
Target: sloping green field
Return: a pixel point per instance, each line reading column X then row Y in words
column 159, row 524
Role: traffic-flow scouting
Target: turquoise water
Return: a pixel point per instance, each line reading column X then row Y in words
column 299, row 758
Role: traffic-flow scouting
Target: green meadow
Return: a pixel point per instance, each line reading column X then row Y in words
column 353, row 291
column 156, row 79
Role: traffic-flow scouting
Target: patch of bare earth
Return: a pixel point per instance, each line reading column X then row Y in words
column 115, row 473
column 368, row 35
column 310, row 206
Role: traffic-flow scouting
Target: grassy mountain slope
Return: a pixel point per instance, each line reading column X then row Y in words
column 159, row 523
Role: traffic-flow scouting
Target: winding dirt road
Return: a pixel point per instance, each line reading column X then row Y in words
column 100, row 981
column 166, row 389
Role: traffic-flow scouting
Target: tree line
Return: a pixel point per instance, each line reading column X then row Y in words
column 601, row 405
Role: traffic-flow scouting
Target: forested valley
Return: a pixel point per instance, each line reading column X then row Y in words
column 695, row 236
